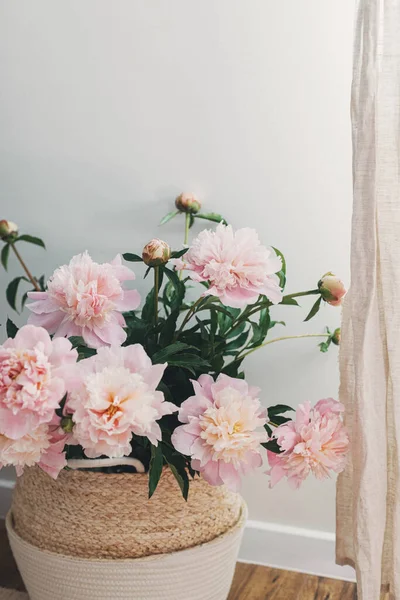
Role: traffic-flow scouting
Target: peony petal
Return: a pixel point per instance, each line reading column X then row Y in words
column 129, row 301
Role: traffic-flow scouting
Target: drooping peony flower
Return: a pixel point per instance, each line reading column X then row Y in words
column 188, row 202
column 86, row 299
column 315, row 442
column 332, row 289
column 156, row 253
column 43, row 447
column 113, row 395
column 220, row 431
column 32, row 379
column 236, row 266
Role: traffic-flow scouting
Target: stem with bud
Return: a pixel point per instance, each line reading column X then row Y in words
column 284, row 337
column 156, row 286
column 25, row 268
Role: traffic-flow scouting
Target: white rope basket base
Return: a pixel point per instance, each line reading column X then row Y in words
column 204, row 572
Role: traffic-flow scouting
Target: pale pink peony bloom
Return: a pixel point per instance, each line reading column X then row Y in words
column 332, row 289
column 86, row 299
column 315, row 442
column 43, row 447
column 220, row 429
column 113, row 395
column 32, row 379
column 235, row 264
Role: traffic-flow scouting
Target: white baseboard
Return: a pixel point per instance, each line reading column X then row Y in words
column 269, row 544
column 292, row 548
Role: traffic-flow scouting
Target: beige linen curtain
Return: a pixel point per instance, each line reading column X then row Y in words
column 368, row 497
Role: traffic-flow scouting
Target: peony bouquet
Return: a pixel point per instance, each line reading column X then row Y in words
column 101, row 378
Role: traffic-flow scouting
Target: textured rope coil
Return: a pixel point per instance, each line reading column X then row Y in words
column 97, row 515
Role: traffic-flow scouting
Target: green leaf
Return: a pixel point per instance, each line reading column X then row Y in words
column 272, row 446
column 282, row 273
column 4, row 255
column 11, row 329
column 236, row 331
column 31, row 239
column 132, row 257
column 237, row 343
column 155, row 469
column 211, row 217
column 163, row 355
column 169, row 216
column 12, row 289
column 273, row 323
column 278, row 409
column 289, row 301
column 179, row 253
column 233, row 368
column 177, row 464
column 191, row 362
column 179, row 288
column 324, row 346
column 314, row 309
column 76, row 341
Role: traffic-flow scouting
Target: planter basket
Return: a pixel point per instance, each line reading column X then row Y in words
column 94, row 536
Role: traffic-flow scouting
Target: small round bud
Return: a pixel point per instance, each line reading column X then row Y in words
column 156, row 253
column 336, row 337
column 67, row 424
column 332, row 289
column 188, row 203
column 8, row 230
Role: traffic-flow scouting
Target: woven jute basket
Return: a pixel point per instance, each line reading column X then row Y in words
column 96, row 536
column 97, row 515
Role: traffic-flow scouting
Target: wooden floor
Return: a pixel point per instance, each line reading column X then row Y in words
column 251, row 581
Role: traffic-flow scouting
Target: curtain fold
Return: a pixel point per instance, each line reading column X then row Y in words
column 368, row 494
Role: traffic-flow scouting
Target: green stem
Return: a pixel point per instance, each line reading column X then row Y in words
column 189, row 315
column 284, row 337
column 156, row 286
column 187, row 227
column 298, row 294
column 25, row 268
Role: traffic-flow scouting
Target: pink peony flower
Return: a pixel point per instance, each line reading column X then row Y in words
column 32, row 379
column 235, row 265
column 220, row 429
column 86, row 299
column 332, row 289
column 43, row 447
column 316, row 442
column 113, row 395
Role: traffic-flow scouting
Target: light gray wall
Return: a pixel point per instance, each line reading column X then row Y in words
column 109, row 109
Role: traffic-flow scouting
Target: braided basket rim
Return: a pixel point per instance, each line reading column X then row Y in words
column 238, row 525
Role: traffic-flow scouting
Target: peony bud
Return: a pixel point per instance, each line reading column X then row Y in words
column 8, row 230
column 336, row 337
column 156, row 253
column 332, row 289
column 67, row 424
column 188, row 203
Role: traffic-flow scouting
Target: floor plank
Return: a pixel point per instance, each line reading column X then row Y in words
column 251, row 582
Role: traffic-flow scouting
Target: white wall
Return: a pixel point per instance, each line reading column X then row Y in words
column 109, row 109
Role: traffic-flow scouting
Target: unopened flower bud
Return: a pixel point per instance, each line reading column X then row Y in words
column 188, row 203
column 67, row 424
column 332, row 289
column 8, row 230
column 156, row 253
column 336, row 337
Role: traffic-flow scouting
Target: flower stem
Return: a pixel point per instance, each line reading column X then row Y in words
column 285, row 337
column 187, row 227
column 25, row 268
column 189, row 315
column 156, row 286
column 298, row 294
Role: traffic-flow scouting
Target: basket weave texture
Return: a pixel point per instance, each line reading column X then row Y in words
column 109, row 516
